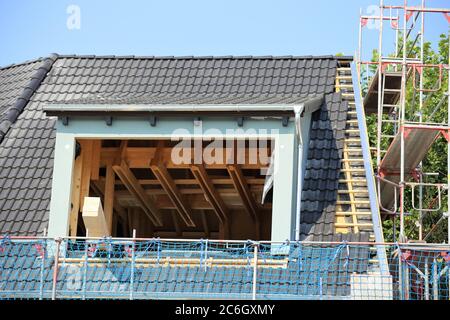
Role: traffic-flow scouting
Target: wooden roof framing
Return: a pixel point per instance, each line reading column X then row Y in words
column 117, row 175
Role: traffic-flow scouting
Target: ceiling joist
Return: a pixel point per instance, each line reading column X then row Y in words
column 172, row 191
column 210, row 192
column 131, row 183
column 244, row 192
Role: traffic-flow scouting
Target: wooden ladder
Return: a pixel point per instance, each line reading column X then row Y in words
column 353, row 214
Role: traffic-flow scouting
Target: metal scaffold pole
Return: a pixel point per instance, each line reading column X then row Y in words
column 380, row 104
column 255, row 270
column 56, row 268
column 448, row 143
column 422, row 31
column 402, row 128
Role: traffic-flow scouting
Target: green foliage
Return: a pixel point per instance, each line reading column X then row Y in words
column 434, row 110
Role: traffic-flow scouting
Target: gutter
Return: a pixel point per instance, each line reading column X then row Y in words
column 310, row 105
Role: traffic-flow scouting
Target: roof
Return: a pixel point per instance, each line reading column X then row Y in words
column 26, row 150
column 18, row 84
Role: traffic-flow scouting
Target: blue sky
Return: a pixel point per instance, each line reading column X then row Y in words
column 30, row 29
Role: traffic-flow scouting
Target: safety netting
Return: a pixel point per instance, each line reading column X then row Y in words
column 108, row 268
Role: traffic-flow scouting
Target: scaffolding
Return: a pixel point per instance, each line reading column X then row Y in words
column 404, row 138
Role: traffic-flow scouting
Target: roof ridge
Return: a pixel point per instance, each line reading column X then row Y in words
column 243, row 57
column 13, row 113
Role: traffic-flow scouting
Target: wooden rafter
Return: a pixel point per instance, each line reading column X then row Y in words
column 243, row 190
column 176, row 224
column 205, row 224
column 86, row 154
column 210, row 192
column 129, row 180
column 169, row 186
column 95, row 162
column 213, row 198
column 109, row 196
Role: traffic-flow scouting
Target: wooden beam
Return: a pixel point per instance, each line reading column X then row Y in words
column 75, row 195
column 129, row 180
column 122, row 151
column 197, row 201
column 140, row 157
column 243, row 190
column 197, row 190
column 109, row 195
column 214, row 180
column 205, row 224
column 176, row 223
column 94, row 218
column 214, row 199
column 130, row 219
column 96, row 149
column 99, row 188
column 169, row 186
column 86, row 153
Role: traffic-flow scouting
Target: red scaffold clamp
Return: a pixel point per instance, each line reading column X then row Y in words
column 409, row 14
column 447, row 16
column 364, row 22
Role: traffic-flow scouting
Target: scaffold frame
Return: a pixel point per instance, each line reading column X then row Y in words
column 391, row 112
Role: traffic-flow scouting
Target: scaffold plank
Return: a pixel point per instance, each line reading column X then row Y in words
column 418, row 140
column 391, row 97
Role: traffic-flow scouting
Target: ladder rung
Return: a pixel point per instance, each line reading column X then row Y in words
column 352, row 202
column 352, row 180
column 349, row 224
column 344, row 77
column 352, row 191
column 353, row 170
column 352, row 160
column 352, row 140
column 351, row 213
column 352, row 130
column 390, row 105
column 344, row 69
column 352, row 150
